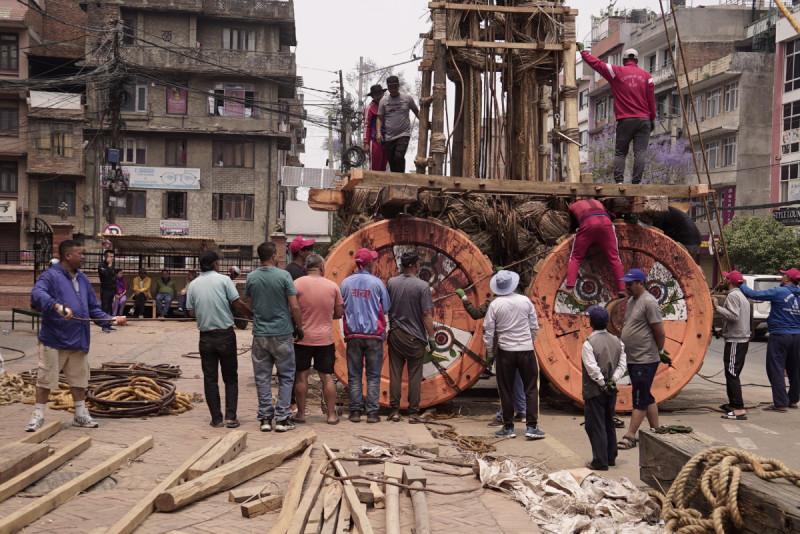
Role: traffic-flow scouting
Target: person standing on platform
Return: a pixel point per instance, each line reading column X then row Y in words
column 736, row 331
column 393, row 119
column 375, row 149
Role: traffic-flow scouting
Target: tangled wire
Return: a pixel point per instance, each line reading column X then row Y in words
column 14, row 389
column 719, row 483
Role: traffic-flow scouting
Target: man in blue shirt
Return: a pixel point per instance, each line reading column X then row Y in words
column 783, row 347
column 63, row 292
column 366, row 303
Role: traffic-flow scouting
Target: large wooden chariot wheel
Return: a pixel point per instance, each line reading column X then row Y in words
column 449, row 261
column 673, row 279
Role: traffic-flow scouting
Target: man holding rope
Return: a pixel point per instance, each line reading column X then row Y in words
column 63, row 292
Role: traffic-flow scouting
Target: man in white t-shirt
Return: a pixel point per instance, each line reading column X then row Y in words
column 393, row 119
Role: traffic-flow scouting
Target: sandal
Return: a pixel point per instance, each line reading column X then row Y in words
column 334, row 422
column 415, row 419
column 217, row 424
column 627, row 443
column 232, row 423
column 732, row 415
column 395, row 417
column 588, row 465
column 773, row 408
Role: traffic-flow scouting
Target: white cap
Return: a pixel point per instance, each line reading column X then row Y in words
column 630, row 52
column 54, row 261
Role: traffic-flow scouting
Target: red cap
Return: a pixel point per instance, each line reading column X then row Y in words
column 734, row 276
column 792, row 273
column 365, row 256
column 298, row 243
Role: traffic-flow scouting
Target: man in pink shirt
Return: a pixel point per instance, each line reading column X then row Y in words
column 320, row 303
column 375, row 149
column 634, row 108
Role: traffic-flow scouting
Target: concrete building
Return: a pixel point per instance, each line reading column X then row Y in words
column 210, row 113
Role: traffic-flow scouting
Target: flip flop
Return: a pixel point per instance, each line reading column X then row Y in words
column 232, row 423
column 731, row 415
column 299, row 421
column 773, row 408
column 395, row 418
column 415, row 419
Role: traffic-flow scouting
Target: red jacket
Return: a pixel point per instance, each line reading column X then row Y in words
column 633, row 88
column 590, row 207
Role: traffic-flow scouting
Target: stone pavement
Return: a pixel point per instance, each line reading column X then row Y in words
column 177, row 437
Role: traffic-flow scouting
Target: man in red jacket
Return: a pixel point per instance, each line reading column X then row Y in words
column 634, row 108
column 594, row 226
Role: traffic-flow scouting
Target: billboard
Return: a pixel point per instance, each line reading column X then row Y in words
column 156, row 177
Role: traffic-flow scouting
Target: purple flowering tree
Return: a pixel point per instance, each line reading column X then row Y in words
column 665, row 162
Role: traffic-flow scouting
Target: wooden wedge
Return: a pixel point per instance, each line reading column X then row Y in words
column 261, row 505
column 225, row 450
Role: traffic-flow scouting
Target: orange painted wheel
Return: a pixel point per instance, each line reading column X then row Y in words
column 449, row 261
column 673, row 279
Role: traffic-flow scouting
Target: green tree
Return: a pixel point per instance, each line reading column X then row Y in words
column 762, row 246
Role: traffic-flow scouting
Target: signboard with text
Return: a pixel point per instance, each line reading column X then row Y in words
column 8, row 211
column 787, row 216
column 155, row 177
column 174, row 227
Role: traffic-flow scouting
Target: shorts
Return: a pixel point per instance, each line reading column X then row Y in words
column 74, row 363
column 324, row 357
column 642, row 375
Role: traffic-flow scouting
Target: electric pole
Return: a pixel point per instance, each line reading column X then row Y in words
column 115, row 94
column 330, row 142
column 345, row 120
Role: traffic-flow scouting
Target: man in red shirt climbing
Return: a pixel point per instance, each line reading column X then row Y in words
column 634, row 108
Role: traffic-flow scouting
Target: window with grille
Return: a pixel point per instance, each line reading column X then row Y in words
column 791, row 77
column 8, row 177
column 9, row 120
column 53, row 193
column 698, row 108
column 790, row 138
column 601, row 110
column 238, row 39
column 233, row 154
column 54, row 139
column 712, row 155
column 136, row 204
column 233, row 207
column 9, row 51
column 175, row 152
column 583, row 99
column 128, row 31
column 713, row 103
column 729, row 151
column 174, row 205
column 134, row 151
column 731, row 96
column 233, row 100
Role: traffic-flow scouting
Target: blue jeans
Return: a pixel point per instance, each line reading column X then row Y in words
column 358, row 352
column 269, row 351
column 182, row 305
column 163, row 300
column 519, row 398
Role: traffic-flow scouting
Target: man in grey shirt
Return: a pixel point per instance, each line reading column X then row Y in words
column 393, row 115
column 410, row 334
column 643, row 335
column 736, row 331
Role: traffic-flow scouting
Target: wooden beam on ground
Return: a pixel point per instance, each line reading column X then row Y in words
column 243, row 494
column 292, row 494
column 764, row 506
column 27, row 514
column 314, row 523
column 136, row 515
column 343, row 521
column 330, row 507
column 378, row 498
column 378, row 179
column 325, row 199
column 303, row 510
column 234, row 473
column 223, row 452
column 394, row 473
column 26, row 478
column 359, row 513
column 541, row 7
column 43, row 433
column 415, row 477
column 505, row 45
column 16, row 457
column 261, row 505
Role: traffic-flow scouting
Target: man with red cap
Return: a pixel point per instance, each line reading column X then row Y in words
column 594, row 226
column 736, row 331
column 783, row 347
column 366, row 303
column 300, row 249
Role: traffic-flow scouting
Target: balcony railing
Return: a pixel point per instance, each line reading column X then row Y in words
column 258, row 9
column 180, row 5
column 211, row 61
column 663, row 74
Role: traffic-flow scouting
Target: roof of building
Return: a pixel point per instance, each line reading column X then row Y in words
column 12, row 11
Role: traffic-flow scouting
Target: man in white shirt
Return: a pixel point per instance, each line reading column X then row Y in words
column 513, row 318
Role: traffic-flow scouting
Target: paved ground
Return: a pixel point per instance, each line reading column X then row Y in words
column 176, row 437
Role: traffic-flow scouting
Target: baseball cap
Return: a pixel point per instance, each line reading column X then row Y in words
column 376, row 89
column 597, row 314
column 392, row 80
column 630, row 52
column 634, row 275
column 792, row 273
column 298, row 243
column 504, row 282
column 365, row 256
column 409, row 258
column 734, row 276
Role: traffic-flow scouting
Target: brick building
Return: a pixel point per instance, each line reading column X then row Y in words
column 209, row 115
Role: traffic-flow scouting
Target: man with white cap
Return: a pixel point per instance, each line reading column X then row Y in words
column 736, row 331
column 366, row 303
column 513, row 318
column 634, row 108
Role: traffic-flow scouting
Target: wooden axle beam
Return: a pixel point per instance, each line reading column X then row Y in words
column 545, row 7
column 377, row 180
column 506, row 45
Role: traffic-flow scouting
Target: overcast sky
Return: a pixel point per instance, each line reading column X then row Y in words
column 332, row 35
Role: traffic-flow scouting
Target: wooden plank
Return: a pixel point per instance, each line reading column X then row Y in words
column 136, row 515
column 17, row 457
column 223, row 452
column 261, row 506
column 764, row 506
column 243, row 494
column 63, row 493
column 378, row 179
column 358, row 512
column 394, row 473
column 325, row 199
column 542, row 7
column 26, row 478
column 314, row 523
column 43, row 433
column 343, row 521
column 505, row 45
column 234, row 473
column 350, row 181
column 293, row 492
column 329, row 523
column 303, row 510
